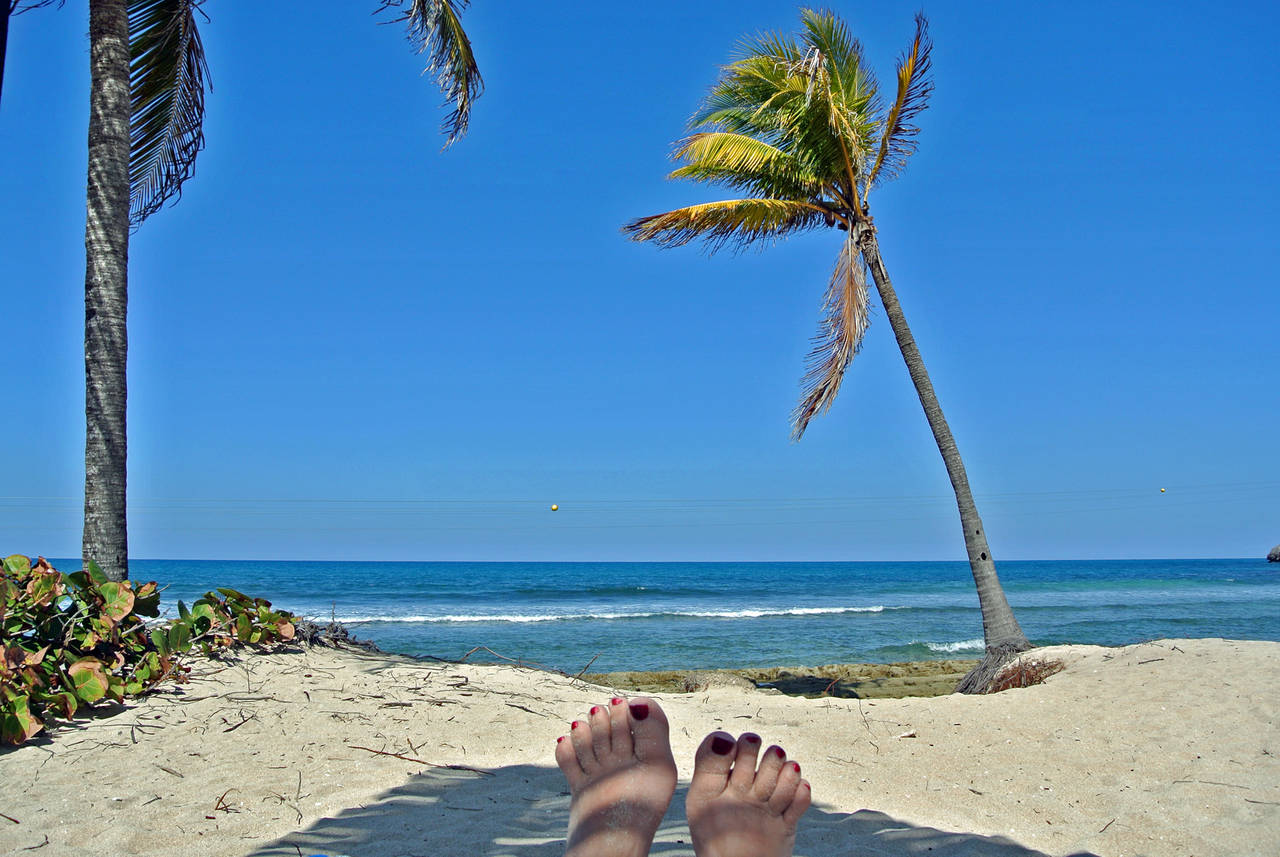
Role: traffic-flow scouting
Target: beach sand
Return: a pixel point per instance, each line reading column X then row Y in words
column 1163, row 748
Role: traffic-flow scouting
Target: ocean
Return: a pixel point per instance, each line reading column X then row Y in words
column 697, row 615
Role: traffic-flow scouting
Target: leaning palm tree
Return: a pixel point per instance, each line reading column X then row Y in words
column 146, row 113
column 797, row 124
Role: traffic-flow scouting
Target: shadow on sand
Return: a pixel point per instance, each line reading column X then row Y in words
column 523, row 810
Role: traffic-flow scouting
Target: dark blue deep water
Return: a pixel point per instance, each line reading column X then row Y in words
column 641, row 616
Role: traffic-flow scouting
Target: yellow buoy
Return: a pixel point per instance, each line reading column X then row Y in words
column 556, row 508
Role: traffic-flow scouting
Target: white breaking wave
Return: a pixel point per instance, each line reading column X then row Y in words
column 745, row 613
column 962, row 646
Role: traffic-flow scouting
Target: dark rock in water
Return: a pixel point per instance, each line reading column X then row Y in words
column 1274, row 556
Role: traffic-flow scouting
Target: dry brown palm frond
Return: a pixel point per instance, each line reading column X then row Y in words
column 1025, row 673
column 739, row 222
column 846, row 316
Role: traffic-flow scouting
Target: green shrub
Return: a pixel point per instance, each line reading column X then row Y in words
column 68, row 641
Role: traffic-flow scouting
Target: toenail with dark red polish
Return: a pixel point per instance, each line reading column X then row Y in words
column 640, row 710
column 721, row 746
column 573, row 725
column 615, row 701
column 561, row 738
column 796, row 765
column 779, row 752
column 595, row 709
column 750, row 738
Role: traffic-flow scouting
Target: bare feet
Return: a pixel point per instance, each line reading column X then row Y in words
column 735, row 809
column 621, row 776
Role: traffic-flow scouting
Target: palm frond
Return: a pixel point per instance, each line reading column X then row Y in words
column 842, row 55
column 167, row 73
column 17, row 7
column 744, row 162
column 435, row 29
column 846, row 317
column 898, row 139
column 735, row 221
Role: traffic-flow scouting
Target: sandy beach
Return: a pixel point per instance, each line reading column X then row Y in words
column 1162, row 748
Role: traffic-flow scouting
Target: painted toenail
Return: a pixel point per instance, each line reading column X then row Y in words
column 615, row 701
column 796, row 766
column 750, row 737
column 779, row 752
column 595, row 709
column 561, row 738
column 640, row 710
column 573, row 725
column 721, row 746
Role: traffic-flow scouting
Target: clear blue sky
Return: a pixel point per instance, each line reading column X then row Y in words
column 345, row 343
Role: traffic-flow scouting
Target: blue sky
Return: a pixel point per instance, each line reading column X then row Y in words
column 347, row 344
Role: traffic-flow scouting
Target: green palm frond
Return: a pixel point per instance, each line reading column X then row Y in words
column 167, row 73
column 846, row 317
column 815, row 99
column 744, row 162
column 735, row 221
column 898, row 140
column 435, row 29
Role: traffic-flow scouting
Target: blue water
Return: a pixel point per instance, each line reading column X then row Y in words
column 642, row 616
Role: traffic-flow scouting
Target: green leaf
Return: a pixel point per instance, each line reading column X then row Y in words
column 17, row 723
column 64, row 704
column 88, row 679
column 147, row 600
column 243, row 628
column 118, row 600
column 95, row 573
column 183, row 612
column 180, row 637
column 17, row 565
column 160, row 639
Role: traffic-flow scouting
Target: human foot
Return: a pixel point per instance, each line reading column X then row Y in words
column 735, row 809
column 621, row 777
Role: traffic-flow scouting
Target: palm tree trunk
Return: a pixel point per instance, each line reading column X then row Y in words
column 1001, row 632
column 106, row 243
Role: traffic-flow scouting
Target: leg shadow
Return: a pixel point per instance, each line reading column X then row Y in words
column 523, row 811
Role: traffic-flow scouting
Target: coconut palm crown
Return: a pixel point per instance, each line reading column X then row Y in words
column 799, row 126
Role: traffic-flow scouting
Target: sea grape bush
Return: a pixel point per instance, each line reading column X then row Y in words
column 70, row 641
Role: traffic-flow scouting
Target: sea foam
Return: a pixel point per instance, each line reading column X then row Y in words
column 744, row 613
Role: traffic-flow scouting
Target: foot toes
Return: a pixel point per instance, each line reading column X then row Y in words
column 711, row 765
column 649, row 729
column 767, row 776
column 744, row 762
column 580, row 738
column 567, row 759
column 804, row 794
column 620, row 728
column 601, row 731
column 785, row 791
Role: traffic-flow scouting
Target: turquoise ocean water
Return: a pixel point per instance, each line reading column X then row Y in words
column 643, row 616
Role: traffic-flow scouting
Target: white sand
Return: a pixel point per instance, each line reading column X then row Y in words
column 1165, row 748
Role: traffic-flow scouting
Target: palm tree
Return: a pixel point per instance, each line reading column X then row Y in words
column 797, row 124
column 146, row 112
